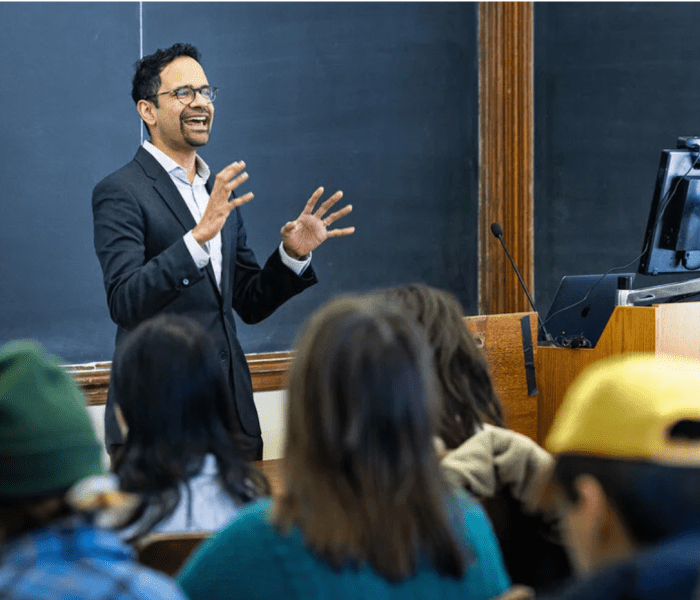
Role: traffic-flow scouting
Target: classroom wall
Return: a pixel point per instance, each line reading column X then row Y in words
column 271, row 410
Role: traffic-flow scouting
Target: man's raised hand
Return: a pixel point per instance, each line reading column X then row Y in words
column 219, row 207
column 310, row 229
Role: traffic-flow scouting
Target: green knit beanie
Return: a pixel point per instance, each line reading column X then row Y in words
column 47, row 442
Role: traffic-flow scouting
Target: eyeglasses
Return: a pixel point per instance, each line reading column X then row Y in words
column 187, row 94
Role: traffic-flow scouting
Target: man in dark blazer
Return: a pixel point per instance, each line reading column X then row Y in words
column 170, row 238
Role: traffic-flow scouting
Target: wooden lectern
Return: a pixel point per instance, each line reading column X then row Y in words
column 501, row 339
column 664, row 329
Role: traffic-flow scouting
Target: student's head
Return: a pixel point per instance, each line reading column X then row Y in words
column 468, row 398
column 170, row 386
column 173, row 395
column 363, row 481
column 47, row 442
column 627, row 445
column 176, row 122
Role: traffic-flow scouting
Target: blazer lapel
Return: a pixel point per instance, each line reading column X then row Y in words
column 167, row 190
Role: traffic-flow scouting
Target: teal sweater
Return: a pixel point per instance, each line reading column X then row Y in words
column 251, row 560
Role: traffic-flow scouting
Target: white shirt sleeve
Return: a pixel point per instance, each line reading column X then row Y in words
column 298, row 266
column 199, row 255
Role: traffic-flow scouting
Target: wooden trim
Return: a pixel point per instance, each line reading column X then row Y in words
column 93, row 380
column 506, row 172
column 269, row 373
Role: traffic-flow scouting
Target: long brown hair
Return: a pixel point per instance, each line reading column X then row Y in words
column 468, row 397
column 363, row 480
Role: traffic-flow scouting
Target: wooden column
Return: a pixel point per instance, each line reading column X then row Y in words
column 505, row 153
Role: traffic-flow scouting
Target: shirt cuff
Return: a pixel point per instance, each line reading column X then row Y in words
column 199, row 255
column 298, row 266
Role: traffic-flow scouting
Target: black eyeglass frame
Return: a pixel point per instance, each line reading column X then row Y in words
column 176, row 92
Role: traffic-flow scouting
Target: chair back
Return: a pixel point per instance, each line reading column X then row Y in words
column 167, row 552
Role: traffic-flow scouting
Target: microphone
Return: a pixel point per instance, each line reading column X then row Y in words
column 498, row 234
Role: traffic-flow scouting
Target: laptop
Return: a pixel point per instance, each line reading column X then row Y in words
column 577, row 324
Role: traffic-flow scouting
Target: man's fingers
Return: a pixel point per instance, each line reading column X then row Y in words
column 231, row 177
column 288, row 227
column 237, row 181
column 312, row 201
column 340, row 232
column 333, row 217
column 232, row 169
column 241, row 200
column 323, row 209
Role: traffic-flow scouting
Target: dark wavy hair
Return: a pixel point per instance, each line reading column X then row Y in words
column 173, row 393
column 363, row 482
column 146, row 81
column 468, row 397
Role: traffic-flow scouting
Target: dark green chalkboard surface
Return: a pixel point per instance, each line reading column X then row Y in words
column 377, row 99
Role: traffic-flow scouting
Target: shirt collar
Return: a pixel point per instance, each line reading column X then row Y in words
column 172, row 167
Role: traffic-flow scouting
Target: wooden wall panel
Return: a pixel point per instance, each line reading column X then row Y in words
column 505, row 153
column 269, row 373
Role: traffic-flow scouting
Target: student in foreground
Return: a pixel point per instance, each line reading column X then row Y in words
column 366, row 512
column 627, row 479
column 170, row 392
column 54, row 494
column 500, row 467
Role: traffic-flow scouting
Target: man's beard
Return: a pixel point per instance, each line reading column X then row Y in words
column 195, row 141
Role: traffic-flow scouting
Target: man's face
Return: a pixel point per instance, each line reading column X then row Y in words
column 592, row 531
column 578, row 537
column 181, row 127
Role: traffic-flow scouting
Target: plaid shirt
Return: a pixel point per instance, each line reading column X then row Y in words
column 73, row 560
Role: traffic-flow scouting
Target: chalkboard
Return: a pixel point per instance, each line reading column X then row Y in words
column 615, row 83
column 377, row 99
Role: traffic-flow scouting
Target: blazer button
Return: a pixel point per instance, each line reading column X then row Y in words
column 185, row 281
column 223, row 355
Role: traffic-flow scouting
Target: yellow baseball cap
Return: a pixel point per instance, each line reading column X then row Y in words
column 625, row 407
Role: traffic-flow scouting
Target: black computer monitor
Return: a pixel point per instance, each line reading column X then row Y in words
column 672, row 239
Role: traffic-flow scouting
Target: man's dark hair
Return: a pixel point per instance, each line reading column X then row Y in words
column 146, row 80
column 653, row 501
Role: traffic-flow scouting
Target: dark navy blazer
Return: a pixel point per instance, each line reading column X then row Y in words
column 140, row 219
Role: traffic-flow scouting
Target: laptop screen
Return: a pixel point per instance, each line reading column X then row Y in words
column 571, row 317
